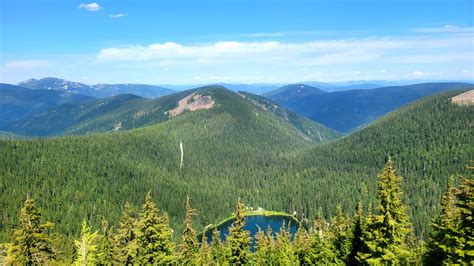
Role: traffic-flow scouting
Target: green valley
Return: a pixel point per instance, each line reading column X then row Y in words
column 237, row 149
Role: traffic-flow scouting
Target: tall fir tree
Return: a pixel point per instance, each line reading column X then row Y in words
column 341, row 236
column 265, row 248
column 465, row 239
column 32, row 243
column 86, row 246
column 217, row 248
column 357, row 243
column 302, row 245
column 387, row 231
column 283, row 248
column 125, row 246
column 238, row 241
column 154, row 236
column 189, row 247
column 203, row 256
column 320, row 239
column 105, row 255
column 440, row 248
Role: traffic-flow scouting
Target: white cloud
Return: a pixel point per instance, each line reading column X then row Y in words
column 446, row 29
column 118, row 15
column 422, row 74
column 302, row 54
column 26, row 64
column 92, row 7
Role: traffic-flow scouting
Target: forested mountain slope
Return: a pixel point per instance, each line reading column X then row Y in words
column 428, row 140
column 289, row 92
column 17, row 102
column 116, row 113
column 127, row 111
column 87, row 176
column 235, row 149
column 346, row 111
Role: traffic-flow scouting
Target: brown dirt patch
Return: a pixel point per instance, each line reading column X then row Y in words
column 192, row 102
column 466, row 98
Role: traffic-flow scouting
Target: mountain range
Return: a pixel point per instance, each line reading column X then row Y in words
column 129, row 111
column 96, row 91
column 346, row 111
column 17, row 102
column 234, row 145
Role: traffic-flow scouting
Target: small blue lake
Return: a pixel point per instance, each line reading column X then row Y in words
column 253, row 223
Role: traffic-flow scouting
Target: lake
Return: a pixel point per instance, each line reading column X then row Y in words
column 253, row 223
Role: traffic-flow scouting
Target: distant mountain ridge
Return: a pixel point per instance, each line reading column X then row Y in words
column 346, row 111
column 17, row 102
column 129, row 111
column 98, row 90
column 291, row 91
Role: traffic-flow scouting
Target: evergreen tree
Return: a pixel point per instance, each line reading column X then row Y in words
column 283, row 248
column 125, row 246
column 386, row 234
column 86, row 246
column 264, row 252
column 341, row 236
column 217, row 248
column 465, row 240
column 154, row 236
column 442, row 243
column 105, row 254
column 302, row 245
column 357, row 243
column 31, row 243
column 320, row 251
column 203, row 256
column 238, row 241
column 189, row 247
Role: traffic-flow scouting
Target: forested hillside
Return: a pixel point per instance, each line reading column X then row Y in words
column 347, row 111
column 226, row 149
column 230, row 151
column 128, row 111
column 429, row 140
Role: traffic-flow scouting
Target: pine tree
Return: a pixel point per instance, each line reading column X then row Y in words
column 238, row 241
column 386, row 234
column 189, row 247
column 217, row 248
column 104, row 248
column 357, row 243
column 86, row 246
column 302, row 245
column 125, row 246
column 320, row 251
column 442, row 243
column 203, row 256
column 283, row 248
column 154, row 236
column 465, row 240
column 32, row 243
column 264, row 252
column 341, row 236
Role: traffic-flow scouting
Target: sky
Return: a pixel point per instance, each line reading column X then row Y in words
column 254, row 41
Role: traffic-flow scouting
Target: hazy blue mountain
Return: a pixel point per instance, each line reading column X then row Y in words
column 291, row 91
column 98, row 90
column 17, row 102
column 346, row 111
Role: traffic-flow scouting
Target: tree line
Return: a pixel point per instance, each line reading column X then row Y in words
column 382, row 234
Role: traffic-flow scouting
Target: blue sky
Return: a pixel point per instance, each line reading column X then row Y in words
column 259, row 41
